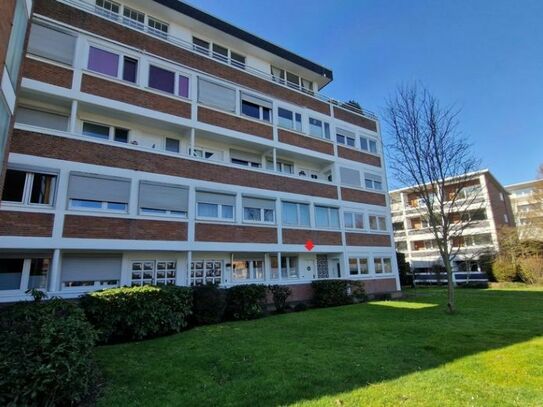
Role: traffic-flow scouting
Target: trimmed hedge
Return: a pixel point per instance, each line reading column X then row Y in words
column 45, row 354
column 245, row 301
column 134, row 313
column 209, row 304
column 280, row 293
column 331, row 293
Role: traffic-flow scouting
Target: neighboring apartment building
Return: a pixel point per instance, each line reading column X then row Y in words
column 527, row 202
column 14, row 17
column 157, row 144
column 483, row 201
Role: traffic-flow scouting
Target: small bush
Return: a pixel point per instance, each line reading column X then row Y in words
column 133, row 313
column 301, row 306
column 245, row 301
column 330, row 293
column 531, row 270
column 45, row 354
column 358, row 292
column 280, row 293
column 504, row 271
column 209, row 304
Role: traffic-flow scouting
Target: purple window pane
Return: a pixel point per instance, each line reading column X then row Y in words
column 183, row 86
column 130, row 69
column 103, row 61
column 161, row 79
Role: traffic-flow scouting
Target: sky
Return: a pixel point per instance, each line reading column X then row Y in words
column 483, row 57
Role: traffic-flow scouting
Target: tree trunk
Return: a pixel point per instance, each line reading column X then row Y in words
column 450, row 287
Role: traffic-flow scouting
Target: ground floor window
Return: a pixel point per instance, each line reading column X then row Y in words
column 204, row 272
column 248, row 270
column 156, row 272
column 358, row 266
column 23, row 274
column 382, row 265
column 289, row 267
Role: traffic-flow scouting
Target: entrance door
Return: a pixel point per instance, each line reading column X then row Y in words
column 322, row 266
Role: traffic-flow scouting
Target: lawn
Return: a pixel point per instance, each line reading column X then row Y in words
column 406, row 352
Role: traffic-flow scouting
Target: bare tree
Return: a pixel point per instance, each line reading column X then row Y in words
column 532, row 219
column 428, row 154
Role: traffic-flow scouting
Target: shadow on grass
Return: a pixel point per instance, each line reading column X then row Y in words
column 290, row 358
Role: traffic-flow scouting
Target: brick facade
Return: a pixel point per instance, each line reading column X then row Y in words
column 48, row 73
column 208, row 232
column 500, row 203
column 355, row 195
column 7, row 8
column 128, row 94
column 319, row 237
column 302, row 141
column 367, row 239
column 236, row 123
column 31, row 143
column 14, row 223
column 95, row 227
column 355, row 119
column 358, row 156
column 384, row 285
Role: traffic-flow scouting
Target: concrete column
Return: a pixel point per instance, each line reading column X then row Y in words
column 54, row 272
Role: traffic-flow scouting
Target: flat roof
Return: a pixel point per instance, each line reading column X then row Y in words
column 246, row 36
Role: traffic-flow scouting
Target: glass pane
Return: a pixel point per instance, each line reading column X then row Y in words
column 348, row 219
column 334, row 217
column 38, row 273
column 387, row 265
column 103, row 61
column 208, row 210
column 382, row 223
column 14, row 185
column 172, row 145
column 358, row 221
column 80, row 203
column 251, row 214
column 130, row 69
column 373, row 146
column 220, row 53
column 96, row 130
column 373, row 222
column 285, row 118
column 240, row 270
column 368, row 183
column 363, row 266
column 321, row 216
column 266, row 114
column 353, row 266
column 298, row 122
column 304, row 215
column 183, row 86
column 290, row 214
column 200, row 45
column 161, row 79
column 121, row 135
column 115, row 206
column 350, row 141
column 11, row 271
column 227, row 212
column 237, row 60
column 258, row 270
column 42, row 189
column 340, row 139
column 274, row 268
column 250, row 109
column 315, row 127
column 364, row 143
column 378, row 265
column 268, row 215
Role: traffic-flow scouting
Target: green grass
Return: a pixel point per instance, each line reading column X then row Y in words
column 406, row 352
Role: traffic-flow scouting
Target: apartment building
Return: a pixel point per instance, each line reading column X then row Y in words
column 482, row 205
column 527, row 202
column 156, row 144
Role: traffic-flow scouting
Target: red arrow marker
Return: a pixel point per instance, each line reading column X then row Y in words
column 309, row 245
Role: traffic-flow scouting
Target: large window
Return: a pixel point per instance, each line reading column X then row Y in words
column 215, row 206
column 168, row 81
column 42, row 118
column 29, row 188
column 345, row 137
column 368, row 144
column 216, row 95
column 105, row 132
column 248, row 270
column 372, row 181
column 327, row 217
column 157, row 27
column 256, row 107
column 289, row 119
column 112, row 64
column 98, row 193
column 22, row 274
column 289, row 267
column 318, row 128
column 207, row 271
column 133, row 18
column 107, row 8
column 295, row 214
column 378, row 223
column 382, row 265
column 163, row 199
column 81, row 271
column 51, row 44
column 353, row 220
column 14, row 52
column 218, row 52
column 358, row 266
column 257, row 210
column 156, row 272
column 349, row 176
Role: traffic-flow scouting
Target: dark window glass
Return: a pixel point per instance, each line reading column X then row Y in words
column 250, row 109
column 130, row 69
column 96, row 130
column 11, row 271
column 14, row 186
column 350, row 141
column 161, row 79
column 237, row 60
column 42, row 189
column 220, row 53
column 121, row 135
column 200, row 45
column 172, row 145
column 266, row 114
column 340, row 139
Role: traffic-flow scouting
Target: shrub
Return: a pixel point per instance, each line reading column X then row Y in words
column 357, row 290
column 280, row 293
column 45, row 354
column 531, row 270
column 503, row 270
column 301, row 306
column 132, row 313
column 209, row 304
column 330, row 293
column 245, row 301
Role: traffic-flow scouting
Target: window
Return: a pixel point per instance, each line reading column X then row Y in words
column 220, row 53
column 245, row 158
column 29, row 188
column 157, row 27
column 107, row 7
column 161, row 79
column 105, row 132
column 278, row 74
column 172, row 145
column 256, row 107
column 156, row 272
column 41, row 118
column 372, row 181
column 348, row 176
column 281, row 166
column 51, row 44
column 96, row 192
column 382, row 265
column 401, row 246
column 130, row 69
column 23, row 274
column 206, row 272
column 345, row 137
column 293, row 80
column 368, row 144
column 307, row 86
column 248, row 270
column 398, row 226
column 163, row 199
column 289, row 120
column 200, row 45
column 378, row 223
column 256, row 210
column 327, row 217
column 319, row 128
column 216, row 95
column 295, row 214
column 133, row 18
column 103, row 61
column 215, row 206
column 206, row 154
column 358, row 266
column 353, row 220
column 14, row 52
column 237, row 60
column 85, row 270
column 289, row 267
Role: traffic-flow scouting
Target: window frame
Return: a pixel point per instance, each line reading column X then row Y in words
column 251, row 270
column 219, row 212
column 297, row 122
column 28, row 186
column 369, row 141
column 359, row 272
column 25, row 276
column 298, row 214
column 329, row 216
column 176, row 74
column 353, row 215
column 261, row 110
column 324, row 126
column 383, row 260
column 103, row 206
column 373, row 182
column 159, row 32
column 262, row 216
column 122, row 56
column 378, row 219
column 111, row 132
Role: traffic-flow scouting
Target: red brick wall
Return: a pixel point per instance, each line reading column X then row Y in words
column 499, row 207
column 385, row 285
column 128, row 94
column 367, row 239
column 7, row 8
column 319, row 237
column 355, row 195
column 305, row 142
column 359, row 156
column 25, row 142
column 133, row 38
column 235, row 123
column 207, row 232
column 355, row 119
column 94, row 227
column 14, row 223
column 44, row 72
